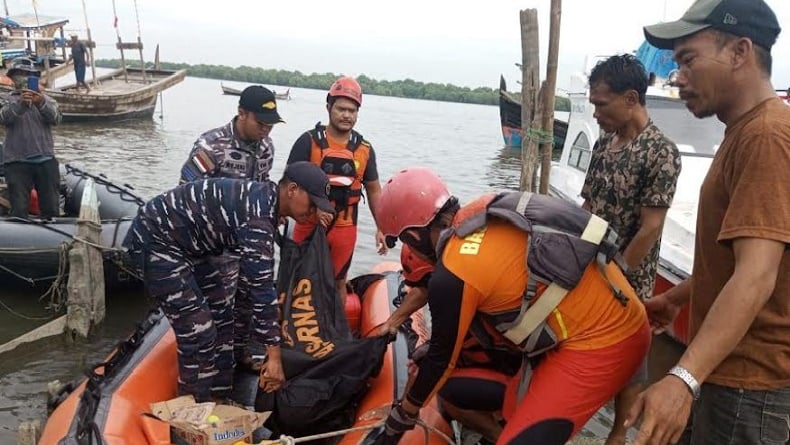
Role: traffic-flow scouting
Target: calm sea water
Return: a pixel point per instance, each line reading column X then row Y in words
column 461, row 142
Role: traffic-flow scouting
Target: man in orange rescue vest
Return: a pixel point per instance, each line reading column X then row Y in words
column 350, row 162
column 595, row 336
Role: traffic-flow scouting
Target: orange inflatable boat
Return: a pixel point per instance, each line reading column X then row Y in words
column 110, row 406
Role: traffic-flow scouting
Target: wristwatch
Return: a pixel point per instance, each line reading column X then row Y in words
column 684, row 374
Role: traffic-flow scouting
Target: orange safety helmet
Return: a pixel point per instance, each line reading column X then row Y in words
column 415, row 269
column 346, row 87
column 411, row 198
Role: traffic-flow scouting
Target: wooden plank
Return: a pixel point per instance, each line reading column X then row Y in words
column 54, row 327
column 29, row 432
column 129, row 45
column 85, row 306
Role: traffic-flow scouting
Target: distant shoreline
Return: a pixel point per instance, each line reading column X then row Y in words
column 407, row 88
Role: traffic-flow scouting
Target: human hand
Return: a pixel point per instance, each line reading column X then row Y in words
column 399, row 421
column 661, row 312
column 385, row 329
column 664, row 407
column 324, row 218
column 381, row 245
column 32, row 97
column 272, row 376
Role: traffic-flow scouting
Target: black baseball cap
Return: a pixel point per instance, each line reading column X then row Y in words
column 745, row 18
column 261, row 101
column 311, row 178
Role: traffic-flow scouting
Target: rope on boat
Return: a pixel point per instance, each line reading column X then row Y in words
column 540, row 136
column 55, row 292
column 289, row 440
column 125, row 194
column 20, row 315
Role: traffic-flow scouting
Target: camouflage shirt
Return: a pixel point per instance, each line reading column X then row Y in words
column 619, row 183
column 219, row 153
column 208, row 217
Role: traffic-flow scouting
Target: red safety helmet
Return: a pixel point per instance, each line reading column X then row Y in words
column 346, row 87
column 411, row 198
column 415, row 269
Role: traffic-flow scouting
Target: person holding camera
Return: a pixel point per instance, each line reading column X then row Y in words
column 29, row 151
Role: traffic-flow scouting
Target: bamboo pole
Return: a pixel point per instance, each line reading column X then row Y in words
column 530, row 78
column 90, row 47
column 120, row 42
column 139, row 40
column 548, row 97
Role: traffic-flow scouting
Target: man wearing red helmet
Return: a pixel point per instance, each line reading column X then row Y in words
column 473, row 394
column 350, row 162
column 581, row 353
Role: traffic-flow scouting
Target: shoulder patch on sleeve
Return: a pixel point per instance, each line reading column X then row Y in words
column 203, row 161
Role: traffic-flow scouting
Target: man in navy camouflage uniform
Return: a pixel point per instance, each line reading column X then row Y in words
column 241, row 149
column 176, row 232
column 630, row 183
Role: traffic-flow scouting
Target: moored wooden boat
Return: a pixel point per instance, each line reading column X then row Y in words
column 510, row 119
column 38, row 37
column 109, row 406
column 230, row 91
column 121, row 94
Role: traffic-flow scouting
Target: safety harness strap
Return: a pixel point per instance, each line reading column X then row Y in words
column 527, row 321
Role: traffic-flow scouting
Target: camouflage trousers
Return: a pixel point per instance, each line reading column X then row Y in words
column 228, row 267
column 200, row 310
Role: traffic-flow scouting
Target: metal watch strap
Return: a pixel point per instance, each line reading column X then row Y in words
column 684, row 374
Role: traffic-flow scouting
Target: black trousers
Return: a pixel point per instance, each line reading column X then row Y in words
column 22, row 177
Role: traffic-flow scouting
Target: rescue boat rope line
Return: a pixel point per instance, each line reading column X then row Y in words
column 125, row 193
column 289, row 440
column 22, row 316
column 55, row 292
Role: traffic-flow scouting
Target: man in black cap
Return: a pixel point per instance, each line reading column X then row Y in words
column 240, row 149
column 175, row 234
column 737, row 365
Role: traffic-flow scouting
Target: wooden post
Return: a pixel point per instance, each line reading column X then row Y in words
column 530, row 79
column 548, row 96
column 142, row 61
column 85, row 305
column 28, row 433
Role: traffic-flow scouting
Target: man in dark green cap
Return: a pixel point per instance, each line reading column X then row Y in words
column 737, row 365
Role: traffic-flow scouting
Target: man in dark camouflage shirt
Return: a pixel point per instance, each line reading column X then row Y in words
column 630, row 183
column 240, row 149
column 176, row 232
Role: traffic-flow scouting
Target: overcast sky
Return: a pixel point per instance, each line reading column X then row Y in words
column 462, row 42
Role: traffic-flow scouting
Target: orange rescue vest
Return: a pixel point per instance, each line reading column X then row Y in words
column 345, row 167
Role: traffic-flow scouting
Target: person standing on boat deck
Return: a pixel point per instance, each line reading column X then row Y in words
column 631, row 181
column 587, row 348
column 29, row 150
column 81, row 58
column 737, row 364
column 240, row 149
column 350, row 162
column 176, row 232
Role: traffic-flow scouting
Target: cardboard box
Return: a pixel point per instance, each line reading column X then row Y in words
column 190, row 425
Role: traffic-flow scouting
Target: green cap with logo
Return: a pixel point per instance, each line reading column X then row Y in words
column 753, row 19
